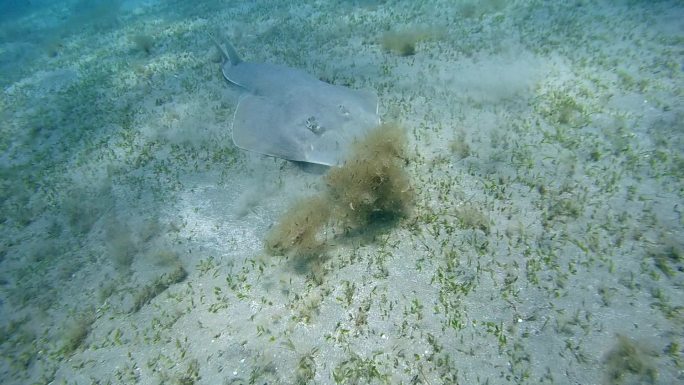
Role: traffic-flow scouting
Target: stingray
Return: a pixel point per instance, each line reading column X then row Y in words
column 290, row 114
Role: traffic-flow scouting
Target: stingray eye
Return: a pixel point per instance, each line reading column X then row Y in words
column 343, row 110
column 313, row 126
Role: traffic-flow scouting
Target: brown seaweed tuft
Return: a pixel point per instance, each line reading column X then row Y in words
column 300, row 229
column 371, row 189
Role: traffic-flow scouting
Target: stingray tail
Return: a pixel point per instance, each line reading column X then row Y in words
column 228, row 51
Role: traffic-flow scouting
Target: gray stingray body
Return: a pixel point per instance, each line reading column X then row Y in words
column 290, row 114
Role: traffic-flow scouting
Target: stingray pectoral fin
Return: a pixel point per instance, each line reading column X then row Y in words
column 370, row 100
column 259, row 125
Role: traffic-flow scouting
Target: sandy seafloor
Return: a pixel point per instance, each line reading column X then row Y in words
column 546, row 152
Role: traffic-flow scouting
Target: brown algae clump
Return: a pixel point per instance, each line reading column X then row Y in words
column 371, row 188
column 628, row 362
column 403, row 43
column 300, row 229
